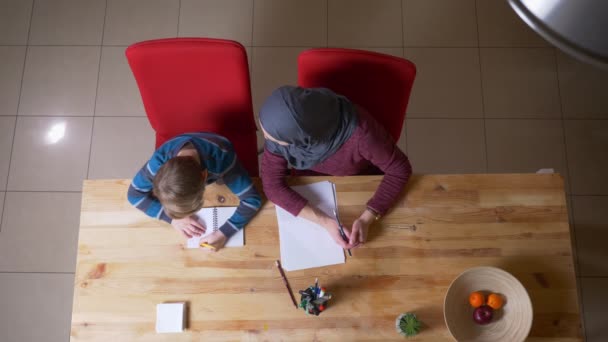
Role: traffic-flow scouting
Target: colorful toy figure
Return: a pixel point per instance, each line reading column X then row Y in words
column 314, row 300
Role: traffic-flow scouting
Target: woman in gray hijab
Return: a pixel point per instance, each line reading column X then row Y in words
column 316, row 130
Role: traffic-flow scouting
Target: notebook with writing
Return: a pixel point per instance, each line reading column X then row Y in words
column 213, row 218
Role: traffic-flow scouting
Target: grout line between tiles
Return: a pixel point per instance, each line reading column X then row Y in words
column 483, row 105
column 3, row 205
column 409, row 117
column 402, row 28
column 103, row 29
column 561, row 110
column 279, row 46
column 10, row 158
column 252, row 26
column 596, row 195
column 36, row 191
column 327, row 23
column 179, row 14
column 251, row 73
column 573, row 242
column 26, row 272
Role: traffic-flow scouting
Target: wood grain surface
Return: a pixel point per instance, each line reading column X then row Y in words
column 442, row 225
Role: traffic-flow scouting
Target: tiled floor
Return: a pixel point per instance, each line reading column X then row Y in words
column 490, row 96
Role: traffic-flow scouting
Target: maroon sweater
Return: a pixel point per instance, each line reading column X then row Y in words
column 368, row 150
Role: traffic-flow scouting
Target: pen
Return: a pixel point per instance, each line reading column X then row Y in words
column 206, row 245
column 338, row 219
column 341, row 231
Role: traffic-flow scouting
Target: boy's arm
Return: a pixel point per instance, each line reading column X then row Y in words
column 238, row 181
column 140, row 195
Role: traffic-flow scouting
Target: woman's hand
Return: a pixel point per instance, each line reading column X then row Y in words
column 317, row 216
column 216, row 239
column 334, row 231
column 188, row 226
column 360, row 228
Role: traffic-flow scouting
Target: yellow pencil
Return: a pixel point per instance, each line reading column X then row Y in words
column 206, row 245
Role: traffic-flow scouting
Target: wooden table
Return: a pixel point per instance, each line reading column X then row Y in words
column 128, row 263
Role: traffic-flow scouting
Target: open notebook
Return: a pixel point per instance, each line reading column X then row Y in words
column 213, row 218
column 304, row 244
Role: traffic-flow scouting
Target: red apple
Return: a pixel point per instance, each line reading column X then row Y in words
column 483, row 315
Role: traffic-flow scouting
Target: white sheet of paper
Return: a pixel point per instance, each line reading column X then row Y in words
column 170, row 317
column 304, row 244
column 205, row 215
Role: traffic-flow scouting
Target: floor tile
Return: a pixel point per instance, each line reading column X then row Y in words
column 67, row 22
column 50, row 153
column 117, row 92
column 37, row 307
column 15, row 21
column 525, row 146
column 591, row 227
column 441, row 23
column 449, row 74
column 586, row 145
column 7, row 128
column 442, row 146
column 402, row 142
column 582, row 88
column 11, row 71
column 59, row 80
column 45, row 242
column 272, row 68
column 226, row 19
column 520, row 83
column 120, row 147
column 290, row 23
column 595, row 301
column 129, row 22
column 365, row 23
column 500, row 26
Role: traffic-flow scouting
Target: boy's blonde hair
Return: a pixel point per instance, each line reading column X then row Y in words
column 179, row 187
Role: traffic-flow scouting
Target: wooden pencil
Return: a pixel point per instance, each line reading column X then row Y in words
column 293, row 299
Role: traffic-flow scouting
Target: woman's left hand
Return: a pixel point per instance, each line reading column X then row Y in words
column 358, row 234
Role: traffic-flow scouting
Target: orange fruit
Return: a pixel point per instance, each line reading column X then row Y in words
column 495, row 301
column 476, row 299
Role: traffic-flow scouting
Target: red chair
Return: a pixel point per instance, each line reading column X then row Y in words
column 194, row 85
column 377, row 82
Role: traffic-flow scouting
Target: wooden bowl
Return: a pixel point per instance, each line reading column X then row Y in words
column 510, row 323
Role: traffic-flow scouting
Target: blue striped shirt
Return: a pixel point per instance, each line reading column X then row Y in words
column 220, row 160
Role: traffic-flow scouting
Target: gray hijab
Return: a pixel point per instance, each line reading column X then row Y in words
column 314, row 121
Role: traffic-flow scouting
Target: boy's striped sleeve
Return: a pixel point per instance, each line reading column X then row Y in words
column 140, row 194
column 238, row 181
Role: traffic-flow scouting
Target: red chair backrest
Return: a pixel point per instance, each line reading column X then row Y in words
column 377, row 82
column 195, row 85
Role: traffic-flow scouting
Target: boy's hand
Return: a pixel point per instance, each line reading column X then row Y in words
column 216, row 239
column 188, row 226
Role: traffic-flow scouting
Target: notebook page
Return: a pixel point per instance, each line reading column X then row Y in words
column 205, row 216
column 304, row 244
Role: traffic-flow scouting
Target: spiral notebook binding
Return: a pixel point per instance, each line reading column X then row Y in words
column 215, row 220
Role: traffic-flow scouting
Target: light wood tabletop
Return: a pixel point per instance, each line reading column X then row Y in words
column 442, row 225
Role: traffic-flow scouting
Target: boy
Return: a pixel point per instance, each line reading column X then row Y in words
column 170, row 186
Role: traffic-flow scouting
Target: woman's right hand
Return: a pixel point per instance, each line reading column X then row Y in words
column 334, row 231
column 188, row 226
